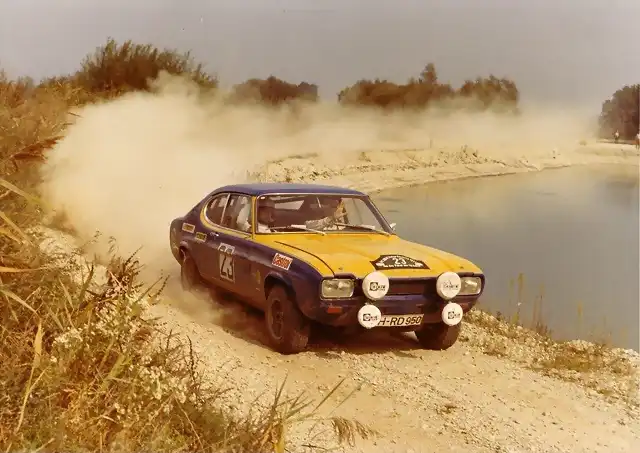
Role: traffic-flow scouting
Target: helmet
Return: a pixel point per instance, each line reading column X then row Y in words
column 266, row 212
column 266, row 203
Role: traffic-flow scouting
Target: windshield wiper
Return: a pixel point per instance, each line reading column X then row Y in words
column 361, row 228
column 298, row 227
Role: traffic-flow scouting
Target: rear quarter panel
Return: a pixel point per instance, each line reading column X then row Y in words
column 181, row 233
column 175, row 237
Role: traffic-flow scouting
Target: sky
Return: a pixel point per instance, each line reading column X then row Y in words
column 566, row 52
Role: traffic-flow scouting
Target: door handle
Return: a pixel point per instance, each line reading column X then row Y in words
column 214, row 234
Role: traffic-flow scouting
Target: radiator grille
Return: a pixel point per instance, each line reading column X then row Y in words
column 407, row 287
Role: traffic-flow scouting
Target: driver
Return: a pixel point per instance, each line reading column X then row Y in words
column 266, row 215
column 334, row 211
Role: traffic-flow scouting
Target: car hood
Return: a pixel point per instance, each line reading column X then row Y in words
column 355, row 254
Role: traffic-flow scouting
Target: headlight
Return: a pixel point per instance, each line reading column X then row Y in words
column 470, row 286
column 336, row 288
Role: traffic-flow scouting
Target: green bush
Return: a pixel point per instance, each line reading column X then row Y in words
column 426, row 90
column 130, row 67
column 274, row 91
column 621, row 113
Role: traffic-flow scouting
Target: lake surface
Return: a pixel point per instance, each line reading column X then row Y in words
column 558, row 246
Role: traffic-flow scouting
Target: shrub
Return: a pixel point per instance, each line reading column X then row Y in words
column 32, row 117
column 426, row 90
column 116, row 68
column 13, row 92
column 491, row 92
column 274, row 91
column 621, row 113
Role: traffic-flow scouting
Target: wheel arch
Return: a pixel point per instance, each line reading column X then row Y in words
column 183, row 250
column 273, row 280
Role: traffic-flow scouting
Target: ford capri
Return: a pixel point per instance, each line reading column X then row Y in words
column 308, row 254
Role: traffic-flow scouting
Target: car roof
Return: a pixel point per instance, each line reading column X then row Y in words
column 260, row 188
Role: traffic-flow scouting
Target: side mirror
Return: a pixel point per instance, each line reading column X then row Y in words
column 393, row 226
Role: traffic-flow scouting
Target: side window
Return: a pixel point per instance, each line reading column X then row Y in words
column 214, row 209
column 237, row 216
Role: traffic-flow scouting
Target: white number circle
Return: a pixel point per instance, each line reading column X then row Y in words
column 369, row 316
column 375, row 285
column 452, row 314
column 448, row 285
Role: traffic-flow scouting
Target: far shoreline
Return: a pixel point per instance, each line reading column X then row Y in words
column 409, row 169
column 509, row 173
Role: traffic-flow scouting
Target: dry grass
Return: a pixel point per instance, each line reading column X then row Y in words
column 525, row 315
column 579, row 356
column 523, row 337
column 596, row 366
column 85, row 370
column 585, row 358
column 83, row 367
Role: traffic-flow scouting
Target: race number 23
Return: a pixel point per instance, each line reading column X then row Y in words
column 225, row 260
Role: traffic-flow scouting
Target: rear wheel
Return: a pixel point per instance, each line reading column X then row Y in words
column 287, row 328
column 438, row 336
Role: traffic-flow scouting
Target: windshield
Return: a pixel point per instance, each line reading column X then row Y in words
column 317, row 214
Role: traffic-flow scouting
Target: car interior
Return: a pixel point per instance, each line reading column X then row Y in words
column 289, row 210
column 215, row 208
column 235, row 204
column 296, row 210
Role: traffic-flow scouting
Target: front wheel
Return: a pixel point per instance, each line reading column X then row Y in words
column 287, row 328
column 438, row 336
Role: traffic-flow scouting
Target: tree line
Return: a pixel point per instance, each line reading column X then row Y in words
column 114, row 69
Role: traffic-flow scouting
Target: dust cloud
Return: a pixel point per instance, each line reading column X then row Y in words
column 127, row 167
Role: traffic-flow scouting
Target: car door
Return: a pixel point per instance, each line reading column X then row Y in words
column 204, row 247
column 232, row 248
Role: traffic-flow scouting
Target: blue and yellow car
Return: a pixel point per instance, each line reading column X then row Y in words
column 308, row 254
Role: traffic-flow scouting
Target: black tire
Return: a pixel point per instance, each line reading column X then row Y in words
column 218, row 295
column 287, row 328
column 438, row 336
column 189, row 275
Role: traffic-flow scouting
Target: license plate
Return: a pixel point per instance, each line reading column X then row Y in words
column 400, row 320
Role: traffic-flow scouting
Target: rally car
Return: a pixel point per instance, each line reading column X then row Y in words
column 308, row 254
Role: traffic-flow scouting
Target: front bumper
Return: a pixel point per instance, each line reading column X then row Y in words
column 405, row 297
column 343, row 314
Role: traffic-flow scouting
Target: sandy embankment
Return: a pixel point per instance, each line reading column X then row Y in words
column 372, row 171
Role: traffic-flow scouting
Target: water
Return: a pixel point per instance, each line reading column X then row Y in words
column 572, row 233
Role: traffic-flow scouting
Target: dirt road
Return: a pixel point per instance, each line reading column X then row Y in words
column 462, row 399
